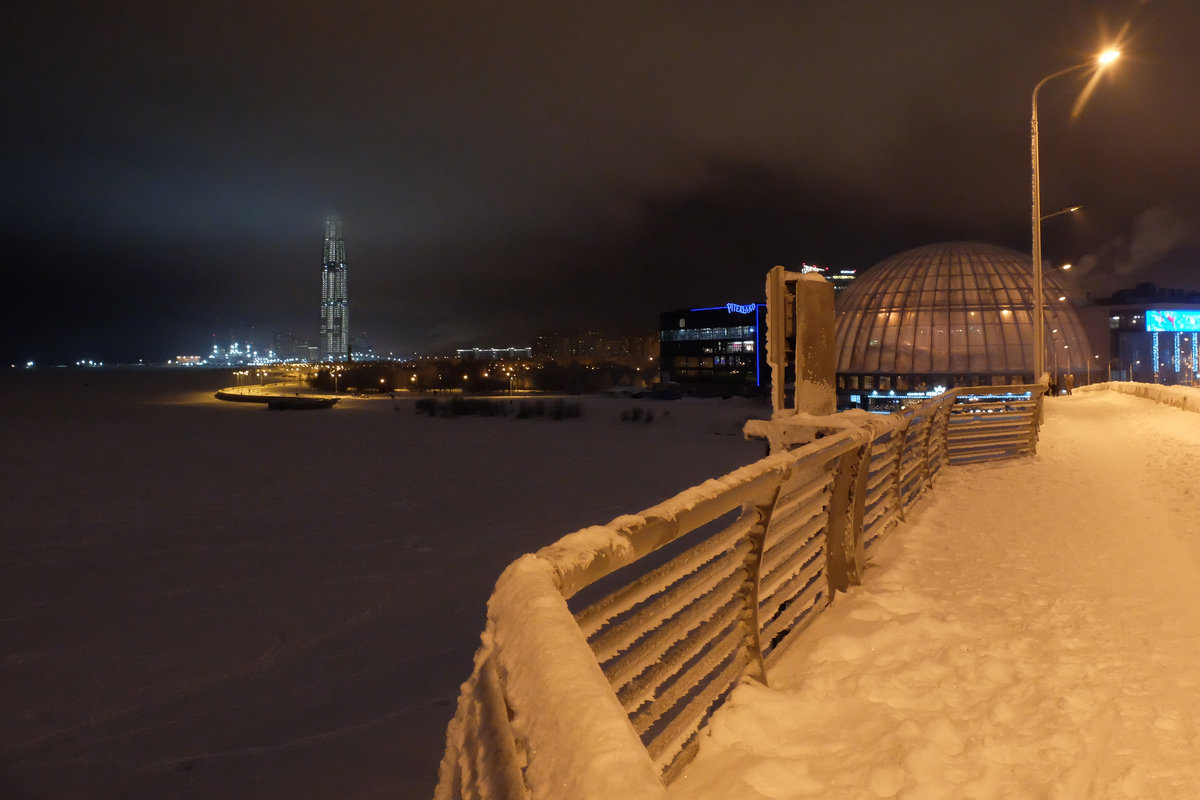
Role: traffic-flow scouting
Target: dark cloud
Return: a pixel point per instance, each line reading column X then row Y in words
column 506, row 167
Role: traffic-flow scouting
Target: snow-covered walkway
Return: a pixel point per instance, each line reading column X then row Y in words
column 1033, row 631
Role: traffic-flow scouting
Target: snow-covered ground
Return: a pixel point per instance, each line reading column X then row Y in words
column 206, row 599
column 1032, row 632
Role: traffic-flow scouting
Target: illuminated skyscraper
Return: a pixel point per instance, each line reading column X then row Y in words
column 335, row 310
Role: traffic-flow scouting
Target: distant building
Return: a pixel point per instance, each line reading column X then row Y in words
column 566, row 347
column 840, row 278
column 953, row 314
column 1154, row 334
column 335, row 310
column 636, row 350
column 495, row 353
column 719, row 348
column 288, row 347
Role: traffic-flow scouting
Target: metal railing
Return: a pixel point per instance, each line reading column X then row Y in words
column 606, row 652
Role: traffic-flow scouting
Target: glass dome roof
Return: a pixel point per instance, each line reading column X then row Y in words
column 954, row 309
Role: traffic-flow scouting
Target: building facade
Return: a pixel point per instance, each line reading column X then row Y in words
column 954, row 314
column 567, row 347
column 721, row 348
column 495, row 353
column 335, row 309
column 1154, row 334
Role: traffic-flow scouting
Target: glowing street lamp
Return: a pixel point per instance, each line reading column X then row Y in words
column 1067, row 210
column 1039, row 356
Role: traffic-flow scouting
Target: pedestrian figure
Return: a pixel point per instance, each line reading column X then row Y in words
column 1070, row 382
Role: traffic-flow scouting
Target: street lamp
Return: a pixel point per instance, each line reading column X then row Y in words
column 1067, row 210
column 1110, row 363
column 1039, row 356
column 1068, row 360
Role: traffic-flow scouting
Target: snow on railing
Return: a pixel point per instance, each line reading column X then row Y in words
column 606, row 652
column 1182, row 397
column 987, row 423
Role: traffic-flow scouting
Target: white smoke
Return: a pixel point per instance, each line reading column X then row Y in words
column 1125, row 260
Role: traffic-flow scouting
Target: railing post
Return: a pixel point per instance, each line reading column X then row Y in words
column 897, row 486
column 844, row 554
column 930, row 424
column 755, row 667
column 944, row 412
column 1035, row 424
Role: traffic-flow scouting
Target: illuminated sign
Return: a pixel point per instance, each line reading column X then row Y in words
column 1173, row 320
column 732, row 308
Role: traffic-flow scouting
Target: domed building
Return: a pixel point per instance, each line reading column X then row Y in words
column 953, row 314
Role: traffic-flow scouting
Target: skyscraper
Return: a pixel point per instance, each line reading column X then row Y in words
column 335, row 310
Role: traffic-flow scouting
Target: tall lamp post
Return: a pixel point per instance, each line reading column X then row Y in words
column 1110, row 363
column 1039, row 336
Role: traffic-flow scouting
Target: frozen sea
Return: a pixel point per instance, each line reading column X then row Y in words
column 207, row 599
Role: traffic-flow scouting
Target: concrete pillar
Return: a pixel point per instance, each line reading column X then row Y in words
column 815, row 363
column 800, row 343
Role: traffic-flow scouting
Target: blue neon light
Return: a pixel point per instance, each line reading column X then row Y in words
column 1170, row 321
column 746, row 308
column 758, row 357
column 733, row 308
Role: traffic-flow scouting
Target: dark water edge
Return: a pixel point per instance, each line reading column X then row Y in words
column 63, row 387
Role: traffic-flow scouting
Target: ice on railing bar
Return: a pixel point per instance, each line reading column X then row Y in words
column 658, row 580
column 577, row 550
column 650, row 674
column 676, row 610
column 556, row 689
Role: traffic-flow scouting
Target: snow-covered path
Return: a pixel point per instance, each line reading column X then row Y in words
column 1032, row 632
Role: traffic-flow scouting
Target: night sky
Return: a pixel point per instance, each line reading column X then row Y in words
column 504, row 167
